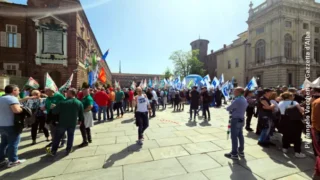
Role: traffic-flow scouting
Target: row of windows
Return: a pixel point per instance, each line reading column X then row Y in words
column 236, row 63
column 288, row 24
column 260, row 49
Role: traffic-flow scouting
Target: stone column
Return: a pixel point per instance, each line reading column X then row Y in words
column 65, row 42
column 38, row 53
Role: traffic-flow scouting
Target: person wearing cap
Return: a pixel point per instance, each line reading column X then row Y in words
column 194, row 102
column 237, row 109
column 265, row 116
column 52, row 100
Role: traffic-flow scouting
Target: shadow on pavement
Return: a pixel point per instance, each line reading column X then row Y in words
column 127, row 121
column 121, row 155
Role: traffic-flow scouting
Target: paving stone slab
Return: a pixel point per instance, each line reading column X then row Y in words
column 85, row 164
column 173, row 141
column 209, row 130
column 202, row 138
column 198, row 162
column 110, row 149
column 103, row 141
column 109, row 134
column 293, row 177
column 160, row 135
column 189, row 176
column 125, row 158
column 234, row 172
column 122, row 139
column 147, row 144
column 189, row 132
column 307, row 174
column 162, row 129
column 83, row 152
column 201, row 147
column 221, row 159
column 153, row 170
column 113, row 173
column 168, row 152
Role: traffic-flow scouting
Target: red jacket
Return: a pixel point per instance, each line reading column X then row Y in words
column 101, row 98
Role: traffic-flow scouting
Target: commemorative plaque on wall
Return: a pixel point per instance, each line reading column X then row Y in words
column 52, row 41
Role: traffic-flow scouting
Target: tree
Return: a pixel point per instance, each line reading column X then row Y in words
column 186, row 63
column 167, row 73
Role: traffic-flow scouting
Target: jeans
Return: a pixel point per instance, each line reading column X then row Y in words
column 205, row 110
column 237, row 134
column 195, row 113
column 10, row 140
column 153, row 107
column 125, row 104
column 142, row 122
column 34, row 128
column 119, row 106
column 94, row 115
column 60, row 132
column 102, row 109
column 266, row 124
column 111, row 109
column 250, row 112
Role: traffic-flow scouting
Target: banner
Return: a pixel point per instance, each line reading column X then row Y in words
column 215, row 82
column 50, row 83
column 224, row 90
column 102, row 76
column 252, row 84
column 32, row 83
column 67, row 84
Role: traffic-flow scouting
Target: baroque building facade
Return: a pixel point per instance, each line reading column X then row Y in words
column 273, row 48
column 126, row 79
column 51, row 36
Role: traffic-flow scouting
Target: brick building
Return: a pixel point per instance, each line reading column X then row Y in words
column 126, row 79
column 51, row 36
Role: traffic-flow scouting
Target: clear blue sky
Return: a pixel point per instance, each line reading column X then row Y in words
column 145, row 32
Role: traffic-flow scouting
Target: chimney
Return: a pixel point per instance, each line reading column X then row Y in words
column 211, row 51
column 225, row 46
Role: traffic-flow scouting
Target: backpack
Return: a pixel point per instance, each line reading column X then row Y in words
column 293, row 113
column 95, row 107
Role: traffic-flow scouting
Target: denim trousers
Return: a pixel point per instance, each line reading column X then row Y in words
column 237, row 135
column 10, row 140
column 142, row 122
column 102, row 109
column 111, row 108
column 60, row 132
column 266, row 128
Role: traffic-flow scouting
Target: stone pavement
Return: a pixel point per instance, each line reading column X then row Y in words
column 174, row 149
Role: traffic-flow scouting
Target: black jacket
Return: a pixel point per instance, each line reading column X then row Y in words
column 19, row 118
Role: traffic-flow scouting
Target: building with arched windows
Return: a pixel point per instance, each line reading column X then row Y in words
column 273, row 49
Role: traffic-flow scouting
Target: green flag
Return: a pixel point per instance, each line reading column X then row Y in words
column 94, row 60
column 190, row 84
column 50, row 84
column 67, row 84
column 31, row 83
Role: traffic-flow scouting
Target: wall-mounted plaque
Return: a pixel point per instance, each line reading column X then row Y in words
column 52, row 42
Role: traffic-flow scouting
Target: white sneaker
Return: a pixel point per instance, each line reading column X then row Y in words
column 284, row 150
column 18, row 162
column 300, row 155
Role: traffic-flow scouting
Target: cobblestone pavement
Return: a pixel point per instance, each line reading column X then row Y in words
column 174, row 149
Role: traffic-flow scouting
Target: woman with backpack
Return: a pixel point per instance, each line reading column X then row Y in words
column 291, row 123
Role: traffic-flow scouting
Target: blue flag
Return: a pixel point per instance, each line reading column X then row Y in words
column 225, row 91
column 90, row 79
column 252, row 84
column 221, row 80
column 104, row 57
column 215, row 82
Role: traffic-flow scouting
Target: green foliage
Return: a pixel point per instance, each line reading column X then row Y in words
column 186, row 63
column 167, row 73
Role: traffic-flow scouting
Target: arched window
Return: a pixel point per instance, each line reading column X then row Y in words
column 304, row 52
column 288, row 46
column 316, row 50
column 260, row 50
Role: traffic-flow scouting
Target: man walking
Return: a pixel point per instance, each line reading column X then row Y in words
column 142, row 121
column 131, row 95
column 101, row 98
column 10, row 138
column 112, row 96
column 87, row 103
column 69, row 111
column 154, row 102
column 119, row 102
column 205, row 101
column 237, row 109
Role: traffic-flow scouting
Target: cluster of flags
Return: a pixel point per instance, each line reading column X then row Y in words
column 307, row 83
column 97, row 73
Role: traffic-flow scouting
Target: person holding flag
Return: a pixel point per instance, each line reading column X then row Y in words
column 237, row 109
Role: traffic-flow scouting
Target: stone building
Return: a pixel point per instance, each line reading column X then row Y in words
column 126, row 79
column 51, row 36
column 273, row 48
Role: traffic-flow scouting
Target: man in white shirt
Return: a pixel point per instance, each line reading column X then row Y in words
column 142, row 121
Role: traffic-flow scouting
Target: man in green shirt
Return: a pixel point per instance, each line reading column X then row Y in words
column 53, row 99
column 119, row 101
column 69, row 111
column 87, row 103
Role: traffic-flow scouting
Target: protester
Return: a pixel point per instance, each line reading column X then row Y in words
column 165, row 98
column 205, row 103
column 142, row 121
column 112, row 96
column 119, row 102
column 265, row 115
column 10, row 138
column 237, row 109
column 131, row 96
column 250, row 109
column 53, row 99
column 85, row 126
column 291, row 124
column 218, row 96
column 70, row 112
column 126, row 100
column 177, row 100
column 194, row 98
column 102, row 98
column 154, row 102
column 275, row 112
column 38, row 115
column 182, row 99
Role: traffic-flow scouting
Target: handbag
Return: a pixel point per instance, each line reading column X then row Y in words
column 32, row 119
column 293, row 113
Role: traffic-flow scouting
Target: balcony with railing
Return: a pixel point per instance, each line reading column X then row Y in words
column 281, row 61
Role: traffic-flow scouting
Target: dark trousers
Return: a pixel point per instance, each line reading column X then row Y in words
column 195, row 113
column 205, row 110
column 250, row 112
column 153, row 107
column 176, row 106
column 86, row 133
column 142, row 122
column 119, row 107
column 35, row 125
column 60, row 132
column 111, row 108
column 292, row 134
